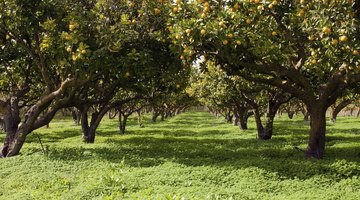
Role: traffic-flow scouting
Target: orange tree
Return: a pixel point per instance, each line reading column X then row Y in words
column 40, row 71
column 59, row 54
column 307, row 48
column 234, row 95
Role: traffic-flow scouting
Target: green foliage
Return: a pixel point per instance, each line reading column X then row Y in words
column 191, row 156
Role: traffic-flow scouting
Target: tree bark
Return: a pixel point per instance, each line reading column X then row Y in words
column 84, row 122
column 122, row 123
column 306, row 116
column 259, row 126
column 274, row 103
column 89, row 131
column 270, row 115
column 338, row 109
column 11, row 123
column 316, row 145
column 242, row 112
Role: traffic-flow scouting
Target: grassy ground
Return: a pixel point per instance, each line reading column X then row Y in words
column 191, row 156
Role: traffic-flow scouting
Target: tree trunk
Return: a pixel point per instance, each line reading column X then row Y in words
column 76, row 115
column 306, row 116
column 16, row 143
column 273, row 106
column 290, row 114
column 229, row 116
column 141, row 125
column 89, row 131
column 2, row 127
column 85, row 123
column 316, row 145
column 243, row 121
column 242, row 112
column 162, row 116
column 11, row 123
column 338, row 108
column 154, row 116
column 270, row 115
column 122, row 123
column 259, row 126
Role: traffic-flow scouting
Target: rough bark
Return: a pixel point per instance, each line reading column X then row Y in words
column 11, row 120
column 316, row 145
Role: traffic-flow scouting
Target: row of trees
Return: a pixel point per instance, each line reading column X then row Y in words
column 94, row 56
column 103, row 56
column 307, row 49
column 236, row 99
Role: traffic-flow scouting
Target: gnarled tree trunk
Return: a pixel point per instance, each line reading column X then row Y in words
column 15, row 137
column 89, row 130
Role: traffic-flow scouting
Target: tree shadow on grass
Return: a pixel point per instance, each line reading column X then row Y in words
column 52, row 137
column 272, row 156
column 352, row 131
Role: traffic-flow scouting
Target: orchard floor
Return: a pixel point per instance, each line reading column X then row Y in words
column 191, row 156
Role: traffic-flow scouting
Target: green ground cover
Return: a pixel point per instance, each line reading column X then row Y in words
column 191, row 156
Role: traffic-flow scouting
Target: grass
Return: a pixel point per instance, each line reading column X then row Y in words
column 190, row 156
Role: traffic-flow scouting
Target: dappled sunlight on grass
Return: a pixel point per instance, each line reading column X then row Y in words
column 193, row 155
